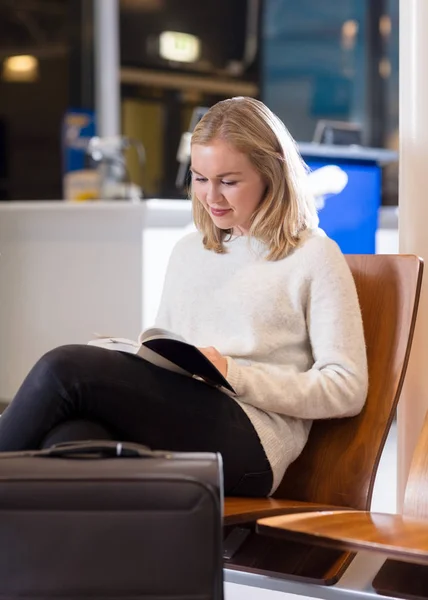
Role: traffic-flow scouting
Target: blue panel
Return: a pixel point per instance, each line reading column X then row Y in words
column 350, row 217
column 78, row 128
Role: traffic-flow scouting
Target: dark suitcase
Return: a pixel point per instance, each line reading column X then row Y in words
column 109, row 520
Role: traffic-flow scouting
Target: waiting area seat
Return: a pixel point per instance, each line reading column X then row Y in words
column 338, row 466
column 404, row 537
column 241, row 510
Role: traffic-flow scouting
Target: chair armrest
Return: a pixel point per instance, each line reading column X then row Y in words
column 242, row 510
column 403, row 538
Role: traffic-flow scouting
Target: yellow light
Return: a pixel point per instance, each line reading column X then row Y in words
column 349, row 34
column 385, row 25
column 21, row 68
column 179, row 47
column 384, row 68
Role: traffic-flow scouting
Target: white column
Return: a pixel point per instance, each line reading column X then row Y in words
column 107, row 67
column 413, row 221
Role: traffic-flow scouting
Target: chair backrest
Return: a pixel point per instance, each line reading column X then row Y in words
column 416, row 497
column 339, row 463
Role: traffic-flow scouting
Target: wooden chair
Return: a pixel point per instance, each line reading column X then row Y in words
column 403, row 537
column 338, row 466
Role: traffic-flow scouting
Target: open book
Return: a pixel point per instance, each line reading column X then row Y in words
column 168, row 351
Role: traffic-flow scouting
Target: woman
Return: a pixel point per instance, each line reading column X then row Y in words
column 265, row 294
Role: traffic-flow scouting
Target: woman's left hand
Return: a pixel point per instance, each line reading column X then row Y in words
column 217, row 359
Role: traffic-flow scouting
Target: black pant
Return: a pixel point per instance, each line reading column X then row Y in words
column 126, row 398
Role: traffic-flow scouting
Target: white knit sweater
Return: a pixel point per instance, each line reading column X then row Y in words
column 291, row 330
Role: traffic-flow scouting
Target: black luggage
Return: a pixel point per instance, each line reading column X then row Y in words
column 109, row 520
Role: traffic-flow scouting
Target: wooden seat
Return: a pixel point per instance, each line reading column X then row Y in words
column 403, row 537
column 243, row 510
column 337, row 468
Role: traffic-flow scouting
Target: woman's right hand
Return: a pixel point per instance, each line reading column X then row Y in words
column 217, row 359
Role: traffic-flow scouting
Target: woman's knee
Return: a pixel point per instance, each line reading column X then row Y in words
column 60, row 361
column 51, row 380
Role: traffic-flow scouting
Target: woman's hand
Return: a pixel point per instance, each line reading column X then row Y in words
column 217, row 359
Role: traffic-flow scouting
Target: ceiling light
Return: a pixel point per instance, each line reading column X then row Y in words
column 179, row 47
column 23, row 68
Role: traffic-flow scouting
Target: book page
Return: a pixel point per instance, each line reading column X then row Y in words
column 111, row 343
column 156, row 333
column 156, row 358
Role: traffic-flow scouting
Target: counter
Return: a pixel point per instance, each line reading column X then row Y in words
column 68, row 270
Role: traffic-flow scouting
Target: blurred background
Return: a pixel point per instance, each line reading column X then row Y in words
column 98, row 99
column 310, row 61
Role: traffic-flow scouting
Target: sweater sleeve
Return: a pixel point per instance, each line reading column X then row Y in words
column 336, row 384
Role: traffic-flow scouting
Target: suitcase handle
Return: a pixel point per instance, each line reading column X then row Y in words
column 104, row 449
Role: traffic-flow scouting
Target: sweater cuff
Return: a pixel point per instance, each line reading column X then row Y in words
column 234, row 375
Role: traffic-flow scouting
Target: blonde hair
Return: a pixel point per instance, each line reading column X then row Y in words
column 287, row 207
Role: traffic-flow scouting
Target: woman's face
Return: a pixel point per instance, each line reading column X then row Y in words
column 226, row 184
